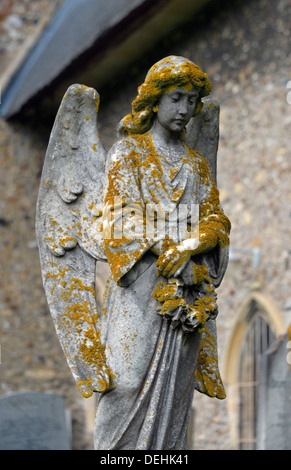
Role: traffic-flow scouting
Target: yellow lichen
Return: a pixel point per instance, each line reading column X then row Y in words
column 207, row 374
column 165, row 75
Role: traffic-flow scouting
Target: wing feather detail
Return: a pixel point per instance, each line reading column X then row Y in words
column 69, row 233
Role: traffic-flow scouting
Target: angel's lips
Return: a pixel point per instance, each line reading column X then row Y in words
column 180, row 123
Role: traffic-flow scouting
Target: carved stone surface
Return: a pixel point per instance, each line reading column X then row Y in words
column 203, row 132
column 34, row 421
column 152, row 211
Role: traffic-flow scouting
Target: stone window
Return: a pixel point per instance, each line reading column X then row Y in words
column 258, row 338
column 257, row 325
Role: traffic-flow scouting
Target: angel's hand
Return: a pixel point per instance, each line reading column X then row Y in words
column 175, row 258
column 172, row 262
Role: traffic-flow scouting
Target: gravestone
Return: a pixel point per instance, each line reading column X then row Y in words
column 274, row 403
column 34, row 421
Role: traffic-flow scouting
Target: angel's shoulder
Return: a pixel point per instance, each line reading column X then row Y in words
column 130, row 147
column 199, row 159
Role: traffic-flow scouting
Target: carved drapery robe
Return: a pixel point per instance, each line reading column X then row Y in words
column 156, row 366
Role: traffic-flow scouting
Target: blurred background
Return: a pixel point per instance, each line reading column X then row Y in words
column 245, row 47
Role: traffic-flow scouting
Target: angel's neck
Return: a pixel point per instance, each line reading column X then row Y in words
column 166, row 142
column 165, row 136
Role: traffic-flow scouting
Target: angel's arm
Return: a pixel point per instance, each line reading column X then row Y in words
column 213, row 229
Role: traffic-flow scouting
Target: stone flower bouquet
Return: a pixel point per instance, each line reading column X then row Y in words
column 190, row 307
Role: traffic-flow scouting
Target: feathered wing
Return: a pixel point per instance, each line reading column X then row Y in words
column 203, row 133
column 69, row 233
column 203, row 136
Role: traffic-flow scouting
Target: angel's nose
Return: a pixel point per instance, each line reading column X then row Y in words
column 183, row 108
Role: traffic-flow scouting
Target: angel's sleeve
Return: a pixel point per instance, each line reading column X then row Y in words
column 123, row 213
column 214, row 225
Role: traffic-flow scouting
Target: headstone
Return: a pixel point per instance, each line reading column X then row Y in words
column 274, row 399
column 34, row 421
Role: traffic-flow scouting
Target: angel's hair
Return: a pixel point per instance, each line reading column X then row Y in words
column 169, row 72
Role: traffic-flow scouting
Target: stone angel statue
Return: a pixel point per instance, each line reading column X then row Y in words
column 150, row 209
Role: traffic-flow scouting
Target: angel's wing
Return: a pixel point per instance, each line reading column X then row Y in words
column 68, row 228
column 203, row 133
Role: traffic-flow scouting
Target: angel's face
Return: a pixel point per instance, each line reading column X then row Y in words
column 175, row 108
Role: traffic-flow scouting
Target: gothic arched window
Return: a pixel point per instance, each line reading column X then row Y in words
column 258, row 339
column 257, row 326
